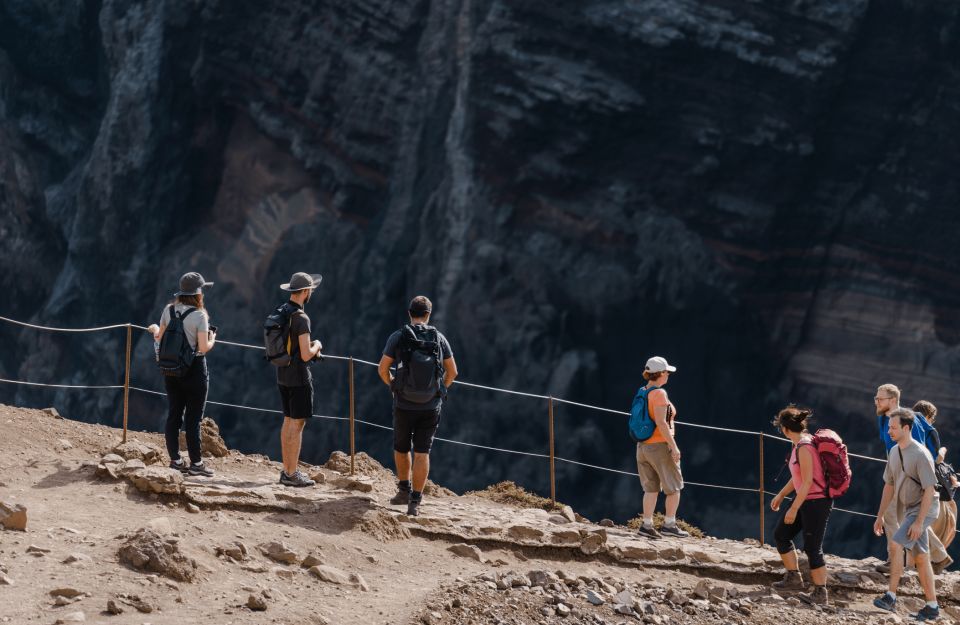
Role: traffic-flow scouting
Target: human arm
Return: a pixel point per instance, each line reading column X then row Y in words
column 660, row 404
column 449, row 371
column 885, row 500
column 778, row 499
column 384, row 369
column 805, row 457
column 206, row 341
column 308, row 349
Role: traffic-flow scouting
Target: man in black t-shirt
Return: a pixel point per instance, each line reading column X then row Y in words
column 425, row 371
column 295, row 381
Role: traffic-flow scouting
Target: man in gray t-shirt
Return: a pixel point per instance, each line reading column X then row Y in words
column 910, row 481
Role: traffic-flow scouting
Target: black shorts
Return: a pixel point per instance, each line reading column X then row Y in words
column 416, row 426
column 297, row 401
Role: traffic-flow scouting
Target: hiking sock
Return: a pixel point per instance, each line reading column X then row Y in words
column 893, row 595
column 404, row 485
column 933, row 604
column 669, row 521
column 648, row 523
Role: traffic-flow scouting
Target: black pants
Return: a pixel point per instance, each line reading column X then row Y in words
column 812, row 521
column 187, row 397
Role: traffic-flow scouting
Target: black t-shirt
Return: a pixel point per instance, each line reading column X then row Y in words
column 297, row 373
column 390, row 350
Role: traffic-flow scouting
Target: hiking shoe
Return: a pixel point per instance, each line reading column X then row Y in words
column 673, row 530
column 886, row 602
column 649, row 532
column 942, row 565
column 927, row 613
column 298, row 479
column 883, row 568
column 792, row 580
column 179, row 465
column 413, row 507
column 402, row 498
column 817, row 597
column 200, row 469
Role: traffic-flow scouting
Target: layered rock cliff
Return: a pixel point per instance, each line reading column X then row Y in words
column 760, row 192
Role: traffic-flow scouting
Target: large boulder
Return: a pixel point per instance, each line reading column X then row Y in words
column 13, row 516
column 148, row 551
column 211, row 443
column 159, row 480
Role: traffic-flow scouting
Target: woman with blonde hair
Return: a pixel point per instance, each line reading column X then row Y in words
column 187, row 384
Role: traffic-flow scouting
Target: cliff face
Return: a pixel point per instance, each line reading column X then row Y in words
column 761, row 192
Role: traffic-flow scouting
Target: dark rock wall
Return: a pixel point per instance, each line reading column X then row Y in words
column 763, row 192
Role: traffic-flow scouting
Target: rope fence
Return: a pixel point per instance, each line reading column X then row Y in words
column 551, row 456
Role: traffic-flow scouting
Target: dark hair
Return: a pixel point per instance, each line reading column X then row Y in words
column 420, row 306
column 927, row 409
column 793, row 418
column 904, row 416
column 190, row 300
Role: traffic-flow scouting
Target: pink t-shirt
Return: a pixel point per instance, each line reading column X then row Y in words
column 817, row 487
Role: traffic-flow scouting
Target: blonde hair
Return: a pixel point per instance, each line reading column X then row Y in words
column 890, row 389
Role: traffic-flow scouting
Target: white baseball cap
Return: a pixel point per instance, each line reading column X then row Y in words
column 658, row 364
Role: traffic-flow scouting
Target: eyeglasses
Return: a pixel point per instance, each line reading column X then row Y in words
column 881, row 398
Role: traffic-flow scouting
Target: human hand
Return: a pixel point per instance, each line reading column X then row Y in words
column 775, row 503
column 915, row 530
column 791, row 516
column 878, row 526
column 675, row 455
column 153, row 329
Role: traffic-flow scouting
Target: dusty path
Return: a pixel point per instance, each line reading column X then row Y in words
column 375, row 564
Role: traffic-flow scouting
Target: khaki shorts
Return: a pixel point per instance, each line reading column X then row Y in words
column 657, row 470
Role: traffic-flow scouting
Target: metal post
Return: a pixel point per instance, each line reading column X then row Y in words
column 553, row 477
column 762, row 506
column 126, row 383
column 353, row 450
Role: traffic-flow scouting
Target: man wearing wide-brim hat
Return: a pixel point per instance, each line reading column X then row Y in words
column 295, row 380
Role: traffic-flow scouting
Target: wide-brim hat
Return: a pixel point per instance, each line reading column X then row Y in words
column 191, row 283
column 300, row 281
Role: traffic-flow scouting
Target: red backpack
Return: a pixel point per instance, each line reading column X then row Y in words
column 833, row 457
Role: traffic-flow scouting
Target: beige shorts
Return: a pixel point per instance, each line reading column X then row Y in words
column 657, row 470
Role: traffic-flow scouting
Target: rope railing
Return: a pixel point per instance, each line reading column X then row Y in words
column 551, row 456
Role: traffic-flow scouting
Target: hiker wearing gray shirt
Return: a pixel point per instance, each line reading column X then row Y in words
column 911, row 484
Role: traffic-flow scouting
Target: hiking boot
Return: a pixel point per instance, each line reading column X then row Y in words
column 649, row 532
column 792, row 580
column 298, row 479
column 818, row 596
column 179, row 465
column 201, row 470
column 673, row 530
column 942, row 565
column 402, row 498
column 886, row 602
column 883, row 568
column 927, row 613
column 413, row 507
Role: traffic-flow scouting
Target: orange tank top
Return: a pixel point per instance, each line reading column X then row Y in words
column 658, row 398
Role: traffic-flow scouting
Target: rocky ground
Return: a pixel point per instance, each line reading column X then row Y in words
column 112, row 536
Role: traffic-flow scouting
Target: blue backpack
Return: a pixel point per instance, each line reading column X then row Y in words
column 642, row 426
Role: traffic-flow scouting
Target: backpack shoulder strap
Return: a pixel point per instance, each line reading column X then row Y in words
column 904, row 469
column 184, row 314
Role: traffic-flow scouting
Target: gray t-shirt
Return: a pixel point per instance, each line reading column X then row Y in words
column 910, row 471
column 390, row 350
column 195, row 322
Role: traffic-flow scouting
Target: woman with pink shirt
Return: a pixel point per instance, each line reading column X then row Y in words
column 809, row 511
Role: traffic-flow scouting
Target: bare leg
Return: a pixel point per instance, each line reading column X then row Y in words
column 819, row 576
column 403, row 465
column 925, row 571
column 649, row 504
column 291, row 438
column 896, row 565
column 672, row 503
column 421, row 467
column 790, row 560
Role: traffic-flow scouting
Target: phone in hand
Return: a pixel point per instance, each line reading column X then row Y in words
column 213, row 329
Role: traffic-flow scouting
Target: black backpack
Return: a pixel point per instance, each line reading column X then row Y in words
column 174, row 356
column 944, row 472
column 419, row 377
column 276, row 336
